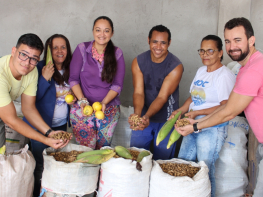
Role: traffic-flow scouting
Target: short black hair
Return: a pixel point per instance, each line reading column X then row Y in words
column 219, row 43
column 236, row 22
column 160, row 28
column 31, row 40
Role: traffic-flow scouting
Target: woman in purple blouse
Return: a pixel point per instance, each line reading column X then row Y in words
column 97, row 72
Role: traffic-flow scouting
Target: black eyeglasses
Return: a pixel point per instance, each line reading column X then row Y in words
column 24, row 57
column 208, row 51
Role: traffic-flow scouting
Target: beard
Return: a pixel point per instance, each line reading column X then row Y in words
column 240, row 57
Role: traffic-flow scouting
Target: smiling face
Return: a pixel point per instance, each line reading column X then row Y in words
column 59, row 51
column 210, row 60
column 102, row 32
column 237, row 44
column 20, row 67
column 159, row 46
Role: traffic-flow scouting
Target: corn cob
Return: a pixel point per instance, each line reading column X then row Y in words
column 142, row 155
column 2, row 150
column 173, row 138
column 95, row 152
column 166, row 128
column 139, row 159
column 95, row 159
column 49, row 57
column 123, row 152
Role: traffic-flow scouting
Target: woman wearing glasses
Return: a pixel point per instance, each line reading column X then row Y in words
column 51, row 91
column 210, row 88
column 97, row 74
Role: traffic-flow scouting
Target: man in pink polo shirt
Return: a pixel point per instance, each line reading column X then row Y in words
column 247, row 94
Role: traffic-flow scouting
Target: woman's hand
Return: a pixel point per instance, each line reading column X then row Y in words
column 191, row 114
column 103, row 107
column 83, row 105
column 173, row 114
column 48, row 71
column 74, row 98
column 186, row 130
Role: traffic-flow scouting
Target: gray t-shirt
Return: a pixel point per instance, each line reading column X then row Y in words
column 153, row 76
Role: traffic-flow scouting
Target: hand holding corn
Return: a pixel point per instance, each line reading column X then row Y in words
column 48, row 71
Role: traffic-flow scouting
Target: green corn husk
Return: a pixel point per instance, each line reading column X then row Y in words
column 166, row 128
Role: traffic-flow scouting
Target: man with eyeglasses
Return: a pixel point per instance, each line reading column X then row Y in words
column 247, row 94
column 18, row 77
column 156, row 77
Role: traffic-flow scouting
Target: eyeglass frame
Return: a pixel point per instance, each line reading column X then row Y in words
column 205, row 51
column 27, row 57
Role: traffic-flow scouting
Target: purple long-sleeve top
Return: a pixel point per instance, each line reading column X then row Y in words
column 86, row 71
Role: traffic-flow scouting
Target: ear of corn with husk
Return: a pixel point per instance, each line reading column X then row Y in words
column 123, row 152
column 95, row 159
column 49, row 57
column 173, row 138
column 166, row 128
column 139, row 159
column 95, row 152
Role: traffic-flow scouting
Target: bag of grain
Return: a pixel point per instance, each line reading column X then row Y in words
column 16, row 173
column 177, row 184
column 119, row 177
column 231, row 166
column 69, row 178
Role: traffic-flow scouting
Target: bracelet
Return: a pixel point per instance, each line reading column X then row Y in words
column 83, row 100
column 48, row 132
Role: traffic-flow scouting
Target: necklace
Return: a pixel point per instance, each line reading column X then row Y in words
column 96, row 55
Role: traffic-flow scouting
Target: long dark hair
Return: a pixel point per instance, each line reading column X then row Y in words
column 60, row 79
column 110, row 63
column 219, row 43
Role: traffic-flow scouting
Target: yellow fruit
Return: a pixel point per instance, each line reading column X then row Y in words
column 88, row 110
column 99, row 115
column 97, row 106
column 69, row 98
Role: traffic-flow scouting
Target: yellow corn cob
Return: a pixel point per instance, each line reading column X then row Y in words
column 95, row 159
column 166, row 128
column 123, row 152
column 49, row 57
column 173, row 138
column 2, row 150
column 95, row 152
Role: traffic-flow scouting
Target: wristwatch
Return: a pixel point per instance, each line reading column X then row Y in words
column 196, row 130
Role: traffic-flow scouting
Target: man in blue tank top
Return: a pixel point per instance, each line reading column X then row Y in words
column 156, row 76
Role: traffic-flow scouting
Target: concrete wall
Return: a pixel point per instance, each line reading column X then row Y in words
column 189, row 22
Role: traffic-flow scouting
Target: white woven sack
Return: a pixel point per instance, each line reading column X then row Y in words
column 69, row 178
column 16, row 173
column 119, row 177
column 231, row 166
column 163, row 184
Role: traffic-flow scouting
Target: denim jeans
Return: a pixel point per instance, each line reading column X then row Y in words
column 2, row 133
column 144, row 138
column 37, row 150
column 258, row 192
column 204, row 146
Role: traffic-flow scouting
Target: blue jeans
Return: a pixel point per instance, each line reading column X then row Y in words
column 144, row 138
column 204, row 146
column 37, row 150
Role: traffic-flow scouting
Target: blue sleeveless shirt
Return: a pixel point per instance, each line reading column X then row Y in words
column 153, row 76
